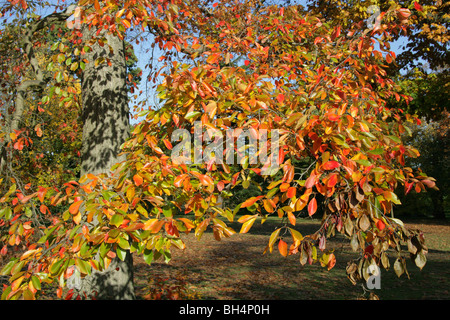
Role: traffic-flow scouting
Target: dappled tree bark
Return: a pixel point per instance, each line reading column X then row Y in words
column 105, row 127
column 105, row 105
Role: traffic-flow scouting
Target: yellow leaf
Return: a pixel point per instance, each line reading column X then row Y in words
column 77, row 218
column 248, row 224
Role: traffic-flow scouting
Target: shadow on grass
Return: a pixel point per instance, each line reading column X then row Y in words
column 235, row 268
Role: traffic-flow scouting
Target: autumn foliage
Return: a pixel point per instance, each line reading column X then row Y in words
column 248, row 67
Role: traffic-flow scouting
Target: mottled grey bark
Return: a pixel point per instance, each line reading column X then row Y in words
column 105, row 104
column 105, row 118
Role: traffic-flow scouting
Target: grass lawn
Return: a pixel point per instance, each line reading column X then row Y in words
column 235, row 269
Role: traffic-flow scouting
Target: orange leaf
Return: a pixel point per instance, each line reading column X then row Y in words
column 179, row 180
column 283, row 248
column 280, row 98
column 251, row 201
column 154, row 225
column 291, row 192
column 331, row 261
column 138, row 179
column 268, row 205
column 97, row 6
column 38, row 130
column 74, row 207
column 291, row 218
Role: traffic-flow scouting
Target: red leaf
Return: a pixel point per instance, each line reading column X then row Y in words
column 418, row 6
column 312, row 206
column 311, row 181
column 280, row 98
column 18, row 145
column 332, row 180
column 336, row 33
column 330, row 165
column 168, row 144
column 380, row 225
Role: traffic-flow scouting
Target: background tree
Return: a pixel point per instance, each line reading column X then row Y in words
column 425, row 32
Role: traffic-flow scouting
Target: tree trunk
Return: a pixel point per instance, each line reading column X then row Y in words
column 105, row 128
column 105, row 105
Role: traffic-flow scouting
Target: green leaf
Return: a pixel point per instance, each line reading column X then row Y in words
column 56, row 267
column 395, row 139
column 107, row 194
column 74, row 231
column 6, row 213
column 192, row 114
column 167, row 211
column 7, row 269
column 365, row 163
column 116, row 220
column 124, row 244
column 83, row 266
column 47, row 234
column 271, row 193
column 59, row 76
column 377, row 151
column 121, row 253
column 148, row 256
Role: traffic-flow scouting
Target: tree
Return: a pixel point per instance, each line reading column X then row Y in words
column 425, row 31
column 263, row 69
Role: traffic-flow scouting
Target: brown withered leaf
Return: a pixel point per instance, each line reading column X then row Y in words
column 364, row 223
